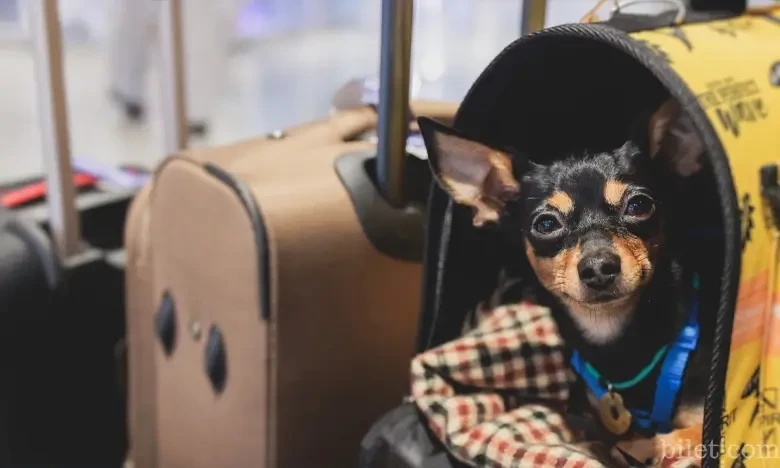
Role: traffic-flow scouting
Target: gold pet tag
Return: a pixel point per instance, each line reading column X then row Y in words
column 613, row 414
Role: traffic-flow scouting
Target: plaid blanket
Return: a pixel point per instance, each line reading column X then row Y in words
column 495, row 397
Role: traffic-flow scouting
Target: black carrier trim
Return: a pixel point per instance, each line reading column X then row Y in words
column 258, row 228
column 482, row 96
column 435, row 254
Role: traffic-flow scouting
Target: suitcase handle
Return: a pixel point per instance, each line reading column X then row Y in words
column 533, row 14
column 50, row 79
column 173, row 84
column 394, row 75
column 388, row 189
column 394, row 72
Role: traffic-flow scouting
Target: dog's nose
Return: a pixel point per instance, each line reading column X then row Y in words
column 599, row 270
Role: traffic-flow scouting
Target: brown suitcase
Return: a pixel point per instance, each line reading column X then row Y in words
column 272, row 293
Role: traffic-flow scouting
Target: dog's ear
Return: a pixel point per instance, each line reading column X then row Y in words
column 473, row 173
column 671, row 134
column 659, row 124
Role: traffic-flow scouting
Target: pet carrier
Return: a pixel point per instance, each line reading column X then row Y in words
column 577, row 85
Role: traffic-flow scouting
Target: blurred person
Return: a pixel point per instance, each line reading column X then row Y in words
column 207, row 29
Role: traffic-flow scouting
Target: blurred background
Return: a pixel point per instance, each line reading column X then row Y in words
column 285, row 59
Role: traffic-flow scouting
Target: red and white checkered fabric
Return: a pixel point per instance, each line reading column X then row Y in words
column 495, row 396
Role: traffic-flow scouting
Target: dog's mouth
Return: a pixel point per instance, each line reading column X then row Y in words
column 602, row 299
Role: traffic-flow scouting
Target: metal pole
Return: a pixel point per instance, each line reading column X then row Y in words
column 532, row 16
column 53, row 114
column 394, row 71
column 172, row 76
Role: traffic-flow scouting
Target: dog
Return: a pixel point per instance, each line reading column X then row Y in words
column 595, row 229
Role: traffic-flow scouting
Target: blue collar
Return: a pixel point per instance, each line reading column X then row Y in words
column 659, row 418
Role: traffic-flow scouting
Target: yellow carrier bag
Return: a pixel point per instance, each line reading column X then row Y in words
column 732, row 66
column 589, row 79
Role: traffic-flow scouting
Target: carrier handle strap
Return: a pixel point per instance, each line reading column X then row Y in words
column 618, row 5
column 680, row 8
column 55, row 136
column 736, row 7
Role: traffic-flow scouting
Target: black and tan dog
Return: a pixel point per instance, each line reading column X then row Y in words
column 595, row 230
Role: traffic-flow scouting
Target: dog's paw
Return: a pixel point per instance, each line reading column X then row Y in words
column 679, row 448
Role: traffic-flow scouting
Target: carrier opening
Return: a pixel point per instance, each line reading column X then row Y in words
column 561, row 90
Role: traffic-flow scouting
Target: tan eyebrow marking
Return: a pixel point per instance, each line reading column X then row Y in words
column 614, row 191
column 561, row 201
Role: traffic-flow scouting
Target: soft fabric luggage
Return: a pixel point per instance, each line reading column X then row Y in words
column 273, row 291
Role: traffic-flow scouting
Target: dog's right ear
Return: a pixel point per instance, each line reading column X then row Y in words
column 473, row 173
column 671, row 133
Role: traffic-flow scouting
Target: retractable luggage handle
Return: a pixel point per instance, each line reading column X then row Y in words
column 64, row 222
column 173, row 84
column 533, row 14
column 394, row 73
column 394, row 220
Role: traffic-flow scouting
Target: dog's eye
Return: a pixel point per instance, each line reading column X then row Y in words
column 546, row 224
column 640, row 207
